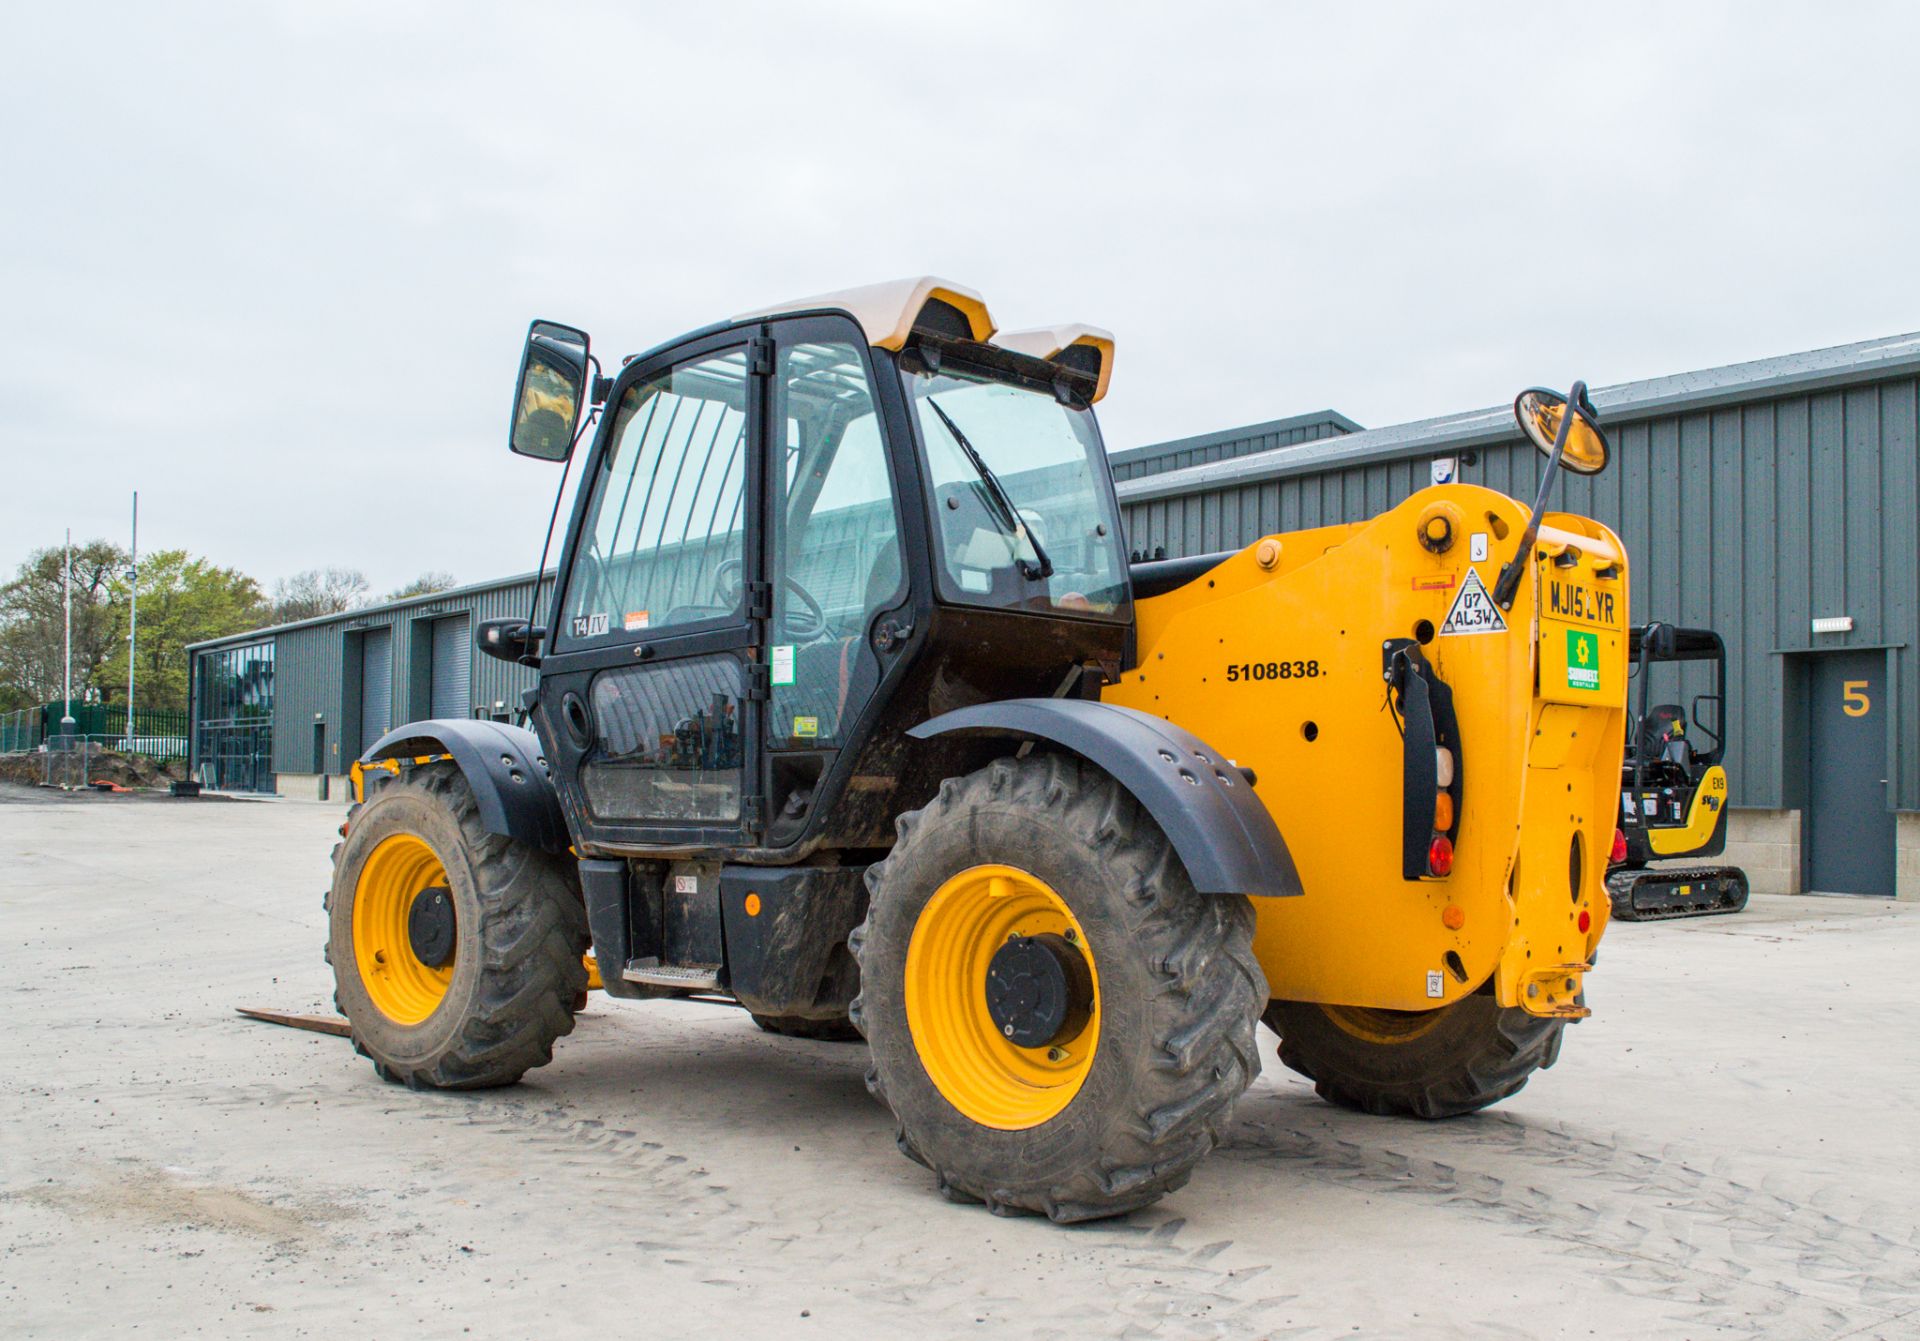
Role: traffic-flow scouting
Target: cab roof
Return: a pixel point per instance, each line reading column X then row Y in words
column 890, row 312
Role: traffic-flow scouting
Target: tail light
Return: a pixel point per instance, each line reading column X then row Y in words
column 1440, row 855
column 1619, row 848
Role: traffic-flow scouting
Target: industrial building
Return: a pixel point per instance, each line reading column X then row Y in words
column 287, row 709
column 1773, row 501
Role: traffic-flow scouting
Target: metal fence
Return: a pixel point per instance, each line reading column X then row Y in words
column 22, row 731
column 157, row 732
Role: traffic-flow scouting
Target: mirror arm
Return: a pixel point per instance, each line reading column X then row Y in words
column 1508, row 584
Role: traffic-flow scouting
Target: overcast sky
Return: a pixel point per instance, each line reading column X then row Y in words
column 271, row 264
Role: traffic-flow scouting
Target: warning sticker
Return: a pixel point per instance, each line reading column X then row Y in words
column 782, row 664
column 1473, row 610
column 635, row 621
column 1583, row 659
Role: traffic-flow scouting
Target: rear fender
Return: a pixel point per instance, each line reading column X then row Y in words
column 505, row 765
column 1206, row 806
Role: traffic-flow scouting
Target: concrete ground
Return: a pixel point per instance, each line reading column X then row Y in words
column 1730, row 1147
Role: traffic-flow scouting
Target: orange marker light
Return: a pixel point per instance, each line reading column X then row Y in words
column 1443, row 811
column 1453, row 917
column 753, row 905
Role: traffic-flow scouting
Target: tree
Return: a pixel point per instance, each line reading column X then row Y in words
column 318, row 591
column 182, row 600
column 32, row 622
column 425, row 585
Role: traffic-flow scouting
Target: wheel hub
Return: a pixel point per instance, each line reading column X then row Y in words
column 1039, row 990
column 430, row 926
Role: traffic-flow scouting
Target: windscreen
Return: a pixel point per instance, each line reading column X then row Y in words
column 1024, row 512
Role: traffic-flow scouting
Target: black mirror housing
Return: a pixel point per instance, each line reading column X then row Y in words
column 512, row 640
column 551, row 389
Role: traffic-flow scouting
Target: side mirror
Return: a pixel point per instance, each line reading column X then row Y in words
column 512, row 640
column 1542, row 411
column 553, row 382
column 1567, row 431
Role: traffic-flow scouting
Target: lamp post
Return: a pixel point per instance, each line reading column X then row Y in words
column 133, row 613
column 66, row 582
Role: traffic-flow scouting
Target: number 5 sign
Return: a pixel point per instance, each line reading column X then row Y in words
column 1854, row 693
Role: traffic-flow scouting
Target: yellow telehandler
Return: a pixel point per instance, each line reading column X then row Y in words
column 851, row 709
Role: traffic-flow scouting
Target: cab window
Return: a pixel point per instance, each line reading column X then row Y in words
column 664, row 541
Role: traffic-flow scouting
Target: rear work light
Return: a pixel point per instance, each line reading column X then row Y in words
column 1440, row 855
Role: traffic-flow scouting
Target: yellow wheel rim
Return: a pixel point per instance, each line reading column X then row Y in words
column 1372, row 1024
column 991, row 1080
column 401, row 988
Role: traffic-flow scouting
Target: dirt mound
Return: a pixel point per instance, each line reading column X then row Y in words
column 135, row 771
column 27, row 768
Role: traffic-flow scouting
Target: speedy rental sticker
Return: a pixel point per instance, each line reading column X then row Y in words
column 806, row 726
column 1473, row 610
column 1583, row 660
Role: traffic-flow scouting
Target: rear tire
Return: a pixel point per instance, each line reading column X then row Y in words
column 1140, row 1093
column 1426, row 1064
column 493, row 1011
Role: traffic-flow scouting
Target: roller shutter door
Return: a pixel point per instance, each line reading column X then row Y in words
column 376, row 685
column 452, row 667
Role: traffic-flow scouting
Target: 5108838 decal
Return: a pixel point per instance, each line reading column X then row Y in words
column 1274, row 670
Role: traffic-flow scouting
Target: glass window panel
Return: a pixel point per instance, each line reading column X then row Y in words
column 671, row 744
column 838, row 545
column 1047, row 457
column 664, row 540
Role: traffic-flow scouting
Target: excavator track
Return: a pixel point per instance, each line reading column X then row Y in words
column 1693, row 891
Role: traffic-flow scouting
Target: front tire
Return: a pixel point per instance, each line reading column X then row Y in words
column 1049, row 856
column 502, row 940
column 1427, row 1064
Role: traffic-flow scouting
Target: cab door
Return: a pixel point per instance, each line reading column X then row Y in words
column 651, row 691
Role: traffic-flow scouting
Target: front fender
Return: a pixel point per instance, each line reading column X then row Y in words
column 505, row 765
column 1222, row 833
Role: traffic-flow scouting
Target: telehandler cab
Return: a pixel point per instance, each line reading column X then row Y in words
column 851, row 709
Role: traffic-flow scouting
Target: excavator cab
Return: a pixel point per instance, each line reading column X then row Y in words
column 1673, row 797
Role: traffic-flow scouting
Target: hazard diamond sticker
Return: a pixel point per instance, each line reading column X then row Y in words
column 1473, row 610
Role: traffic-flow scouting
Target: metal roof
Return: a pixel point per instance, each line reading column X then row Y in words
column 1271, row 426
column 1866, row 361
column 364, row 611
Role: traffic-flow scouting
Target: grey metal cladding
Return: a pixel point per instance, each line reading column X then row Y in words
column 1751, row 499
column 322, row 664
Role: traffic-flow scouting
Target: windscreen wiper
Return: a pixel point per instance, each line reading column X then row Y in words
column 1009, row 515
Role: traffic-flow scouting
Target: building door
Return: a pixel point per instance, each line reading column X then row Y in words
column 376, row 686
column 451, row 694
column 1848, row 830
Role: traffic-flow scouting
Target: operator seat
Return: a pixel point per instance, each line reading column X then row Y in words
column 826, row 672
column 1663, row 737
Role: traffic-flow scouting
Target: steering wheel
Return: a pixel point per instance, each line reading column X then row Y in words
column 804, row 625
